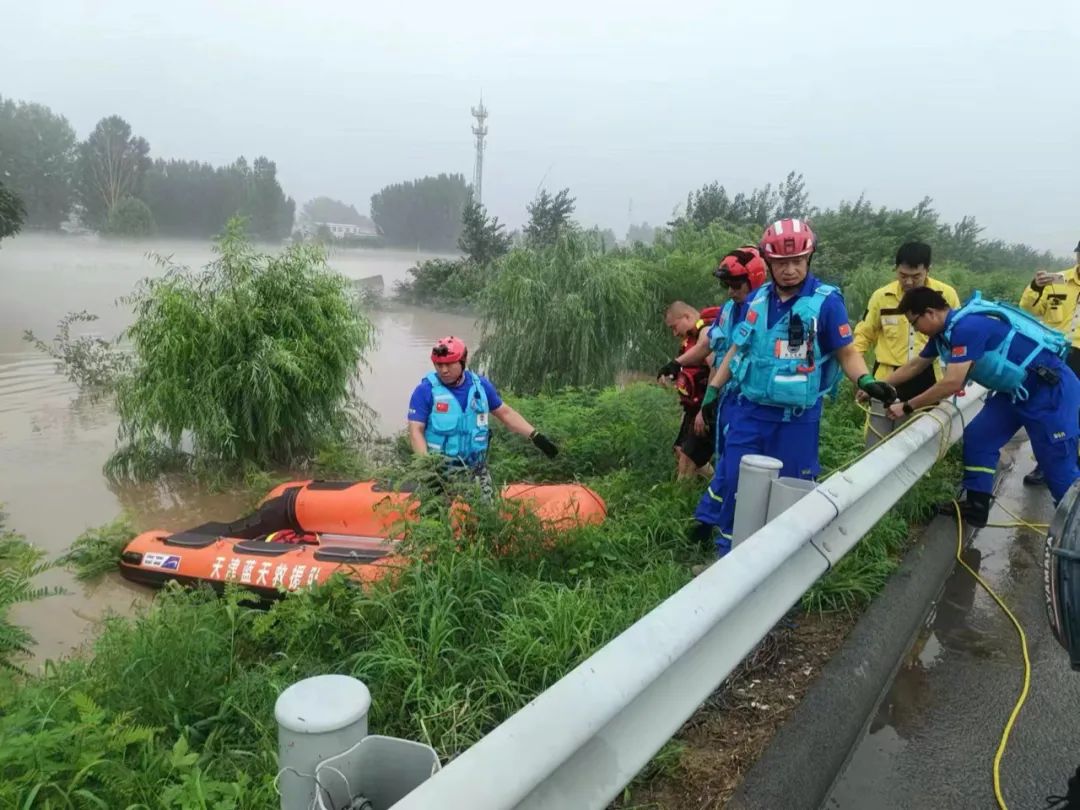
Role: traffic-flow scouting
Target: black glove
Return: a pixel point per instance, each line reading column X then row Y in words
column 547, row 447
column 876, row 389
column 670, row 369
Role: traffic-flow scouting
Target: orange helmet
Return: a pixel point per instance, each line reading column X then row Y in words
column 743, row 263
column 449, row 350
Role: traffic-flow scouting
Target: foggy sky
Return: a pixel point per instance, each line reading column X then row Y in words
column 974, row 104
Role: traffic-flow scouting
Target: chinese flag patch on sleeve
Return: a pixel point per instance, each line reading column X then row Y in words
column 845, row 330
column 751, row 317
column 442, row 407
column 959, row 351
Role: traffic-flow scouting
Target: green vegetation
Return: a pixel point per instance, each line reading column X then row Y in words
column 96, row 551
column 424, row 213
column 130, row 217
column 92, row 362
column 12, row 212
column 195, row 199
column 483, row 238
column 549, row 217
column 564, row 316
column 37, row 159
column 247, row 367
column 20, row 562
column 251, row 361
column 112, row 162
column 53, row 174
column 177, row 702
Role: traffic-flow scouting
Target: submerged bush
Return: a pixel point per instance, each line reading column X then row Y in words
column 251, row 361
column 91, row 362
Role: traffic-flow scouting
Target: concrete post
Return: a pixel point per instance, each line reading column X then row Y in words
column 786, row 492
column 756, row 474
column 317, row 718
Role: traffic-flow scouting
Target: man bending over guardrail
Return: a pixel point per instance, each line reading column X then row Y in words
column 1022, row 362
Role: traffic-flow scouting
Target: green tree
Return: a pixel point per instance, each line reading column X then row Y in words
column 254, row 359
column 112, row 163
column 37, row 160
column 12, row 212
column 791, row 198
column 270, row 214
column 482, row 239
column 130, row 217
column 424, row 213
column 189, row 198
column 548, row 217
column 563, row 315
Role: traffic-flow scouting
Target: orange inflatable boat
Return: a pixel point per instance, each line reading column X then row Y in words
column 304, row 531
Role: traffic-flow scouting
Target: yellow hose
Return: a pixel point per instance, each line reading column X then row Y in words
column 1004, row 741
column 1037, row 527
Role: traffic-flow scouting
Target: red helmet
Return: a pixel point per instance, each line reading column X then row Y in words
column 449, row 350
column 788, row 238
column 744, row 262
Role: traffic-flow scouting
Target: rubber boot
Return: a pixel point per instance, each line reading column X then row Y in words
column 701, row 534
column 975, row 508
column 1035, row 478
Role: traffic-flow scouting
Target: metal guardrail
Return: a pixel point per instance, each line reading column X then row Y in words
column 579, row 743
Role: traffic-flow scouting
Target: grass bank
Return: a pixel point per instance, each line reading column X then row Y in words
column 174, row 706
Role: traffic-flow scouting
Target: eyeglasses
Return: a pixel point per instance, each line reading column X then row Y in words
column 914, row 321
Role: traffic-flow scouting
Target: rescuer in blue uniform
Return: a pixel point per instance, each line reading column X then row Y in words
column 742, row 271
column 787, row 353
column 449, row 411
column 1022, row 362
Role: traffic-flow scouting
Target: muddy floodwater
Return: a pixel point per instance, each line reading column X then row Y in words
column 52, row 446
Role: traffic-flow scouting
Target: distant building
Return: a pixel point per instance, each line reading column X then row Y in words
column 342, row 230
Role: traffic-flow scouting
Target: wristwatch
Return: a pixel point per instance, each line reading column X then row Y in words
column 908, row 408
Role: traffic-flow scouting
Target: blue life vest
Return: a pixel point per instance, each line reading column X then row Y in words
column 768, row 369
column 995, row 370
column 453, row 432
column 720, row 333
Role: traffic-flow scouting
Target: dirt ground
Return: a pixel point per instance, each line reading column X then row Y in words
column 704, row 764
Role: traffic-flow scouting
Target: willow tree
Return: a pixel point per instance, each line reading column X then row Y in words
column 565, row 315
column 251, row 361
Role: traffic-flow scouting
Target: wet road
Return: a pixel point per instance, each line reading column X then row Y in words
column 932, row 741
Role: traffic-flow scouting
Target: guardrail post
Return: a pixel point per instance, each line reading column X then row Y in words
column 879, row 426
column 756, row 474
column 786, row 492
column 317, row 718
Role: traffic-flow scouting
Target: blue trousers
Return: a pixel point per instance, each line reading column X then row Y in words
column 1048, row 416
column 793, row 443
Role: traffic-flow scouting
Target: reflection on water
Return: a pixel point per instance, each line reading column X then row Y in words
column 53, row 445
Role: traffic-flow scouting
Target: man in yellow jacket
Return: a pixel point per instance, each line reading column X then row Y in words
column 886, row 330
column 1053, row 299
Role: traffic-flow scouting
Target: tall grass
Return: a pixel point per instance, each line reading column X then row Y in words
column 251, row 361
column 176, row 704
